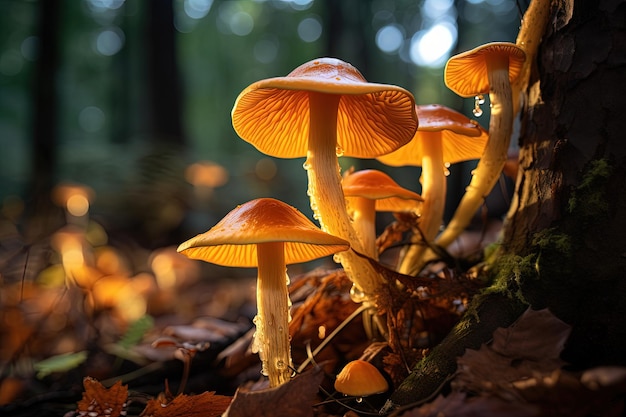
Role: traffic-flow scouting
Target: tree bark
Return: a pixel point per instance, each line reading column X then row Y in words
column 563, row 244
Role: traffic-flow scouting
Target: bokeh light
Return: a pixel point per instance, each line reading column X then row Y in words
column 109, row 41
column 390, row 38
column 310, row 29
column 197, row 9
column 91, row 119
column 431, row 48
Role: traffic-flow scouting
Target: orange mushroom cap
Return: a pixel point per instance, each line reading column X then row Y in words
column 461, row 138
column 466, row 73
column 360, row 378
column 376, row 185
column 372, row 120
column 232, row 241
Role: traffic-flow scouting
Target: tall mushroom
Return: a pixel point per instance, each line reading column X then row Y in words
column 490, row 68
column 368, row 191
column 322, row 109
column 267, row 234
column 531, row 31
column 444, row 136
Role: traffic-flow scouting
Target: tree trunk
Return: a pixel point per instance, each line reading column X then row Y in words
column 164, row 84
column 564, row 241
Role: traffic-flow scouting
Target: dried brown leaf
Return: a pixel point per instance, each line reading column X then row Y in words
column 294, row 398
column 99, row 401
column 458, row 405
column 536, row 335
column 206, row 404
column 529, row 347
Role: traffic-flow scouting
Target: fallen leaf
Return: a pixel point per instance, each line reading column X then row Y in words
column 294, row 398
column 206, row 404
column 99, row 401
column 529, row 347
column 458, row 405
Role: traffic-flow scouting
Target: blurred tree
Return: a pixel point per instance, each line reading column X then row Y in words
column 45, row 127
column 164, row 85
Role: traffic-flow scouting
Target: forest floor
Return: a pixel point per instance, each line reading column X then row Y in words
column 96, row 326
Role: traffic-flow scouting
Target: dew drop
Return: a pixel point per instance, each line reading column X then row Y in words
column 478, row 100
column 356, row 294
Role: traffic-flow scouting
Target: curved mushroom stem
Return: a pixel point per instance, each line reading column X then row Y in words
column 533, row 27
column 271, row 339
column 363, row 213
column 494, row 156
column 434, row 194
column 327, row 199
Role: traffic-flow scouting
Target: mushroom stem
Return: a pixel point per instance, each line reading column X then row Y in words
column 272, row 321
column 494, row 156
column 434, row 195
column 364, row 222
column 533, row 27
column 327, row 199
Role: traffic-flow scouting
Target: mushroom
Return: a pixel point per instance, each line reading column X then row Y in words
column 267, row 234
column 531, row 31
column 490, row 68
column 360, row 378
column 322, row 109
column 444, row 136
column 368, row 191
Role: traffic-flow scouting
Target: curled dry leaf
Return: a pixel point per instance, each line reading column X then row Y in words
column 206, row 404
column 99, row 401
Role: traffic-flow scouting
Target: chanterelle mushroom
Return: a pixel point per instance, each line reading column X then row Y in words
column 490, row 68
column 322, row 109
column 267, row 234
column 360, row 378
column 444, row 136
column 368, row 191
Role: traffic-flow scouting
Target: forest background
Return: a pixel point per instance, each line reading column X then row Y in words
column 132, row 98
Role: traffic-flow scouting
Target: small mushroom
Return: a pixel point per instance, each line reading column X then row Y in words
column 360, row 378
column 490, row 68
column 267, row 234
column 322, row 109
column 368, row 191
column 444, row 136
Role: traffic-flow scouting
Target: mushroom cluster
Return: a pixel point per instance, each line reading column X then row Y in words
column 321, row 110
column 325, row 109
column 444, row 137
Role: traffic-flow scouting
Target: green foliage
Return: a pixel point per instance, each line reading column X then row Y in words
column 589, row 199
column 136, row 332
column 510, row 271
column 59, row 363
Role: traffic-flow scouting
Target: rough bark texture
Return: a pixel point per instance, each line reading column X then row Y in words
column 570, row 211
column 564, row 245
